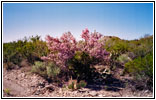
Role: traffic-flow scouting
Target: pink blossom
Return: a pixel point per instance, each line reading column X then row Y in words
column 64, row 48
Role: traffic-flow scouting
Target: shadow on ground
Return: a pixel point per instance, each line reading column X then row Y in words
column 109, row 84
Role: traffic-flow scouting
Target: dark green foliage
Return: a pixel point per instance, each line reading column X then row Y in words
column 81, row 84
column 142, row 70
column 71, row 86
column 141, row 67
column 31, row 49
column 143, row 52
column 138, row 48
column 142, row 47
column 136, row 56
column 79, row 66
column 11, row 56
column 74, row 85
column 116, row 46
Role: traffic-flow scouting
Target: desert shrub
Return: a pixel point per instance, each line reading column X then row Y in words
column 79, row 66
column 134, row 48
column 52, row 70
column 39, row 68
column 63, row 49
column 141, row 69
column 9, row 52
column 81, row 84
column 141, row 65
column 7, row 91
column 11, row 57
column 73, row 84
column 124, row 58
column 33, row 49
column 116, row 47
column 30, row 49
column 46, row 69
column 141, row 47
column 75, row 56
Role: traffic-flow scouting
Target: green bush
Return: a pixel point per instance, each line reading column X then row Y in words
column 136, row 56
column 46, row 69
column 7, row 91
column 40, row 68
column 52, row 70
column 142, row 47
column 10, row 54
column 74, row 85
column 139, row 47
column 11, row 57
column 81, row 84
column 14, row 58
column 33, row 49
column 142, row 70
column 79, row 66
column 30, row 49
column 116, row 46
column 71, row 86
column 123, row 58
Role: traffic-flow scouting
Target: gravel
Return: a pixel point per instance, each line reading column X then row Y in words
column 26, row 84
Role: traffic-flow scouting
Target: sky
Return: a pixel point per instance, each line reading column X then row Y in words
column 124, row 20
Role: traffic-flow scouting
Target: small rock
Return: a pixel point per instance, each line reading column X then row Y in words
column 37, row 92
column 146, row 91
column 93, row 93
column 22, row 75
column 100, row 95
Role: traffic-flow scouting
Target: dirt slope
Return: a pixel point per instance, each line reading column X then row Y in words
column 22, row 83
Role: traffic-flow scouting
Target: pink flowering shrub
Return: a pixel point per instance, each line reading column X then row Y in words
column 61, row 49
column 93, row 46
column 68, row 53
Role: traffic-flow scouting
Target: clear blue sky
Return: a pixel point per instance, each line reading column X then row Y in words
column 125, row 20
